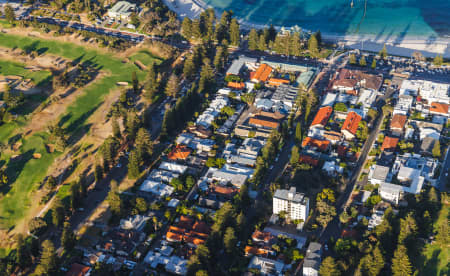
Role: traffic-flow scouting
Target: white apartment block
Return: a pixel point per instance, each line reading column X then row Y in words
column 430, row 91
column 296, row 205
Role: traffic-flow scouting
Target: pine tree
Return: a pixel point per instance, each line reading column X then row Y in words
column 98, row 173
column 295, row 47
column 51, row 182
column 352, row 59
column 195, row 29
column 114, row 200
column 362, row 62
column 143, row 144
column 374, row 63
column 133, row 165
column 132, row 127
column 186, row 27
column 253, row 40
column 383, row 53
column 329, row 268
column 318, row 36
column 135, row 82
column 298, row 133
column 67, row 237
column 401, row 266
column 10, row 16
column 229, row 240
column 58, row 212
column 262, row 46
column 408, row 230
column 234, row 32
column 48, row 261
column 23, row 257
column 313, row 45
column 151, row 86
column 295, row 156
column 219, row 59
column 116, row 128
column 173, row 86
column 189, row 67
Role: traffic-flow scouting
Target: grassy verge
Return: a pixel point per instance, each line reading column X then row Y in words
column 14, row 205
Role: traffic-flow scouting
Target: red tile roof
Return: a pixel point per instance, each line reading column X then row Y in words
column 332, row 135
column 224, row 191
column 441, row 108
column 322, row 116
column 308, row 160
column 252, row 250
column 351, row 122
column 180, row 152
column 236, row 85
column 277, row 82
column 78, row 270
column 389, row 143
column 263, row 122
column 398, row 121
column 322, row 145
column 263, row 72
column 260, row 236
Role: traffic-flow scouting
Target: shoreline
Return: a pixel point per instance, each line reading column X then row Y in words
column 398, row 45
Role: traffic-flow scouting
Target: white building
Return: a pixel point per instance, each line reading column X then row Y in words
column 266, row 266
column 313, row 258
column 379, row 174
column 329, row 99
column 430, row 91
column 332, row 168
column 173, row 167
column 157, row 188
column 410, row 182
column 427, row 166
column 122, row 10
column 296, row 205
column 208, row 116
column 403, row 105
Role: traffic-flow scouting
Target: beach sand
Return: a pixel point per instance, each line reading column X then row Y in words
column 399, row 46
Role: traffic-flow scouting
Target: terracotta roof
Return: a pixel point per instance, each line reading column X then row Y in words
column 259, row 236
column 322, row 145
column 389, row 143
column 351, row 122
column 398, row 121
column 352, row 92
column 78, row 270
column 180, row 152
column 441, row 108
column 322, row 116
column 350, row 83
column 236, row 85
column 225, row 191
column 263, row 122
column 350, row 78
column 277, row 82
column 174, row 237
column 252, row 250
column 308, row 160
column 263, row 72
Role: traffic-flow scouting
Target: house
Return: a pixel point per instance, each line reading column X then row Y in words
column 329, row 99
column 322, row 116
column 262, row 74
column 441, row 109
column 321, row 145
column 263, row 122
column 398, row 123
column 429, row 132
column 389, row 144
column 353, row 79
column 379, row 174
column 263, row 237
column 162, row 176
column 410, row 181
column 266, row 266
column 188, row 230
column 136, row 222
column 426, row 165
column 332, row 168
column 236, row 85
column 79, row 270
column 230, row 173
column 350, row 125
column 296, row 205
column 258, row 251
column 404, row 104
column 277, row 82
column 332, row 136
column 285, row 94
column 156, row 188
column 173, row 167
column 122, row 10
column 214, row 109
column 375, row 219
column 313, row 258
column 307, row 159
column 180, row 152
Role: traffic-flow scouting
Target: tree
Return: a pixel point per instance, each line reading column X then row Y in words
column 141, row 204
column 51, row 182
column 234, row 32
column 173, row 86
column 329, row 268
column 186, row 27
column 295, row 44
column 58, row 212
column 229, row 240
column 298, row 133
column 48, row 261
column 133, row 165
column 98, row 173
column 313, row 45
column 262, row 46
column 383, row 53
column 9, row 14
column 23, row 257
column 189, row 67
column 151, row 86
column 374, row 63
column 352, row 59
column 144, row 145
column 362, row 62
column 116, row 128
column 135, row 82
column 401, row 266
column 436, row 149
column 438, row 60
column 114, row 200
column 68, row 239
column 253, row 40
column 373, row 263
column 295, row 155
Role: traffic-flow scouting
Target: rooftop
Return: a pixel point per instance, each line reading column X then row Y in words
column 351, row 122
column 322, row 116
column 322, row 145
column 263, row 72
column 398, row 121
column 180, row 152
column 313, row 256
column 389, row 143
column 291, row 195
column 440, row 108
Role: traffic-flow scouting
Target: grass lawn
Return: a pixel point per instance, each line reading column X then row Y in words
column 14, row 68
column 145, row 57
column 437, row 255
column 13, row 206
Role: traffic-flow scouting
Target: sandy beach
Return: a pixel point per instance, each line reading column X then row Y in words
column 395, row 45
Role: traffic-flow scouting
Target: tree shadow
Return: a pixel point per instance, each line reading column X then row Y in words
column 15, row 167
column 430, row 268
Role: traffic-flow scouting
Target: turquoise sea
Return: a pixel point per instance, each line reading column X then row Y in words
column 388, row 18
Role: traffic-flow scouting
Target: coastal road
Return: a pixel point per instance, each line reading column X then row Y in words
column 443, row 178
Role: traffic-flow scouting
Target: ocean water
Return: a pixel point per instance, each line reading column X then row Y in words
column 387, row 18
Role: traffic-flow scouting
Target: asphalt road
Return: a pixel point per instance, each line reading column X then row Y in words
column 443, row 178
